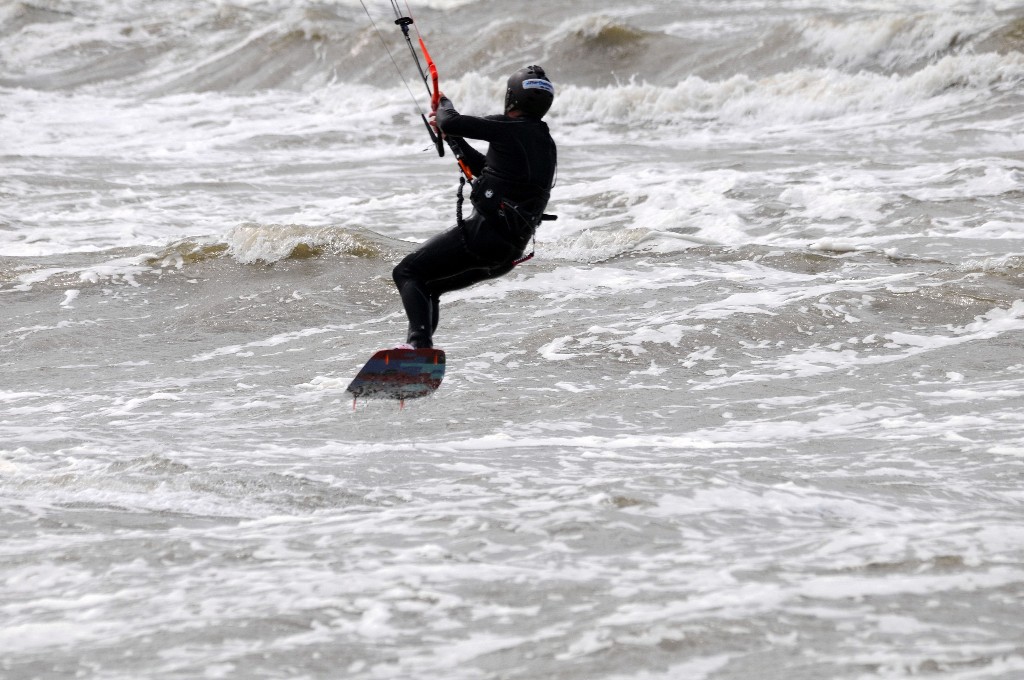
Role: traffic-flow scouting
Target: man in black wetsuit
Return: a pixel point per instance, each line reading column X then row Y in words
column 512, row 186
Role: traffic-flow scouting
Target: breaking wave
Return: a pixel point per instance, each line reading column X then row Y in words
column 243, row 46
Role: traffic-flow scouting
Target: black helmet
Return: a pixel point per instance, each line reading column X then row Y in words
column 529, row 91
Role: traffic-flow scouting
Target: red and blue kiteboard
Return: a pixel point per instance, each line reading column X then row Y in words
column 399, row 374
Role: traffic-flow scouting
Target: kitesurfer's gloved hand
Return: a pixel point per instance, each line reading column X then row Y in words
column 432, row 119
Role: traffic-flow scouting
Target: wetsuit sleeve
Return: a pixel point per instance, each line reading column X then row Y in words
column 446, row 114
column 453, row 123
column 474, row 159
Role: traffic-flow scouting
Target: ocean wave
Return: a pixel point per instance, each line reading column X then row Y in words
column 799, row 95
column 1010, row 266
column 802, row 94
column 895, row 42
column 245, row 244
column 591, row 246
column 248, row 45
column 250, row 243
column 121, row 266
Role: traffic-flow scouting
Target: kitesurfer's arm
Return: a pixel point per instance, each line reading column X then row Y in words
column 490, row 129
column 454, row 124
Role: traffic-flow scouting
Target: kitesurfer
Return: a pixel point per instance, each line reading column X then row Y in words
column 512, row 185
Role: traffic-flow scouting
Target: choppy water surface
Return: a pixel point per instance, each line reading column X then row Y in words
column 755, row 409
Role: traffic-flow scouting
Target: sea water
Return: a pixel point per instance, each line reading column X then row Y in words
column 755, row 409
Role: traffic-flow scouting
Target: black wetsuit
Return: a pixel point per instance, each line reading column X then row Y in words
column 510, row 193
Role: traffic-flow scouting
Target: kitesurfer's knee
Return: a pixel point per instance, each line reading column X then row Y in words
column 413, row 268
column 400, row 274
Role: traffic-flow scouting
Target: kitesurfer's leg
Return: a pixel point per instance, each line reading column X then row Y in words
column 440, row 257
column 449, row 261
column 439, row 287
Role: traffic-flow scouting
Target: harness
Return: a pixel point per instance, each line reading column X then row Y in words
column 510, row 212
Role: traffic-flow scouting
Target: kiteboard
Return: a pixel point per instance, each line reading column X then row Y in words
column 399, row 374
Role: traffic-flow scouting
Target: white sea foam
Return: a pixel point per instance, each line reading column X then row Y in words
column 895, row 40
column 801, row 95
column 177, row 138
